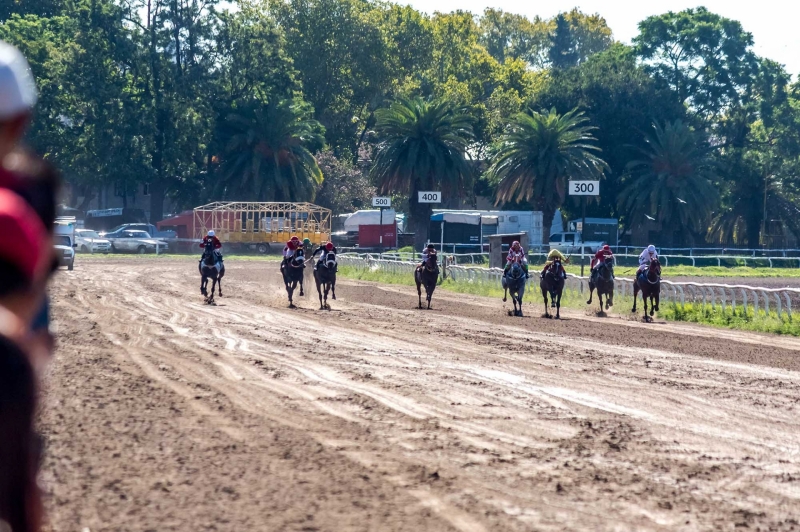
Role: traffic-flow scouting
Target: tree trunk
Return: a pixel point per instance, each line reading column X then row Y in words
column 420, row 214
column 157, row 195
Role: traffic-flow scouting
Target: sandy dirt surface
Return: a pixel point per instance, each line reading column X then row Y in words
column 165, row 414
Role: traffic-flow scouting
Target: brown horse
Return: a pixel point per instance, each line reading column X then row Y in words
column 325, row 278
column 649, row 283
column 427, row 275
column 209, row 270
column 602, row 279
column 292, row 270
column 553, row 283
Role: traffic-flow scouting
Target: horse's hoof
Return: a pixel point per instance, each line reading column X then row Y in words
column 334, row 298
column 589, row 302
column 301, row 293
column 504, row 300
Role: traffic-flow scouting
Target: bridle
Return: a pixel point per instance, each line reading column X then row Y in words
column 652, row 268
column 298, row 257
column 431, row 258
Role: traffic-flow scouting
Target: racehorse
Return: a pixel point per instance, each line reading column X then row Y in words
column 602, row 279
column 292, row 271
column 553, row 283
column 208, row 270
column 427, row 275
column 514, row 282
column 649, row 282
column 325, row 277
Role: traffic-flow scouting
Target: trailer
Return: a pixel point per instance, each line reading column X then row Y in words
column 259, row 225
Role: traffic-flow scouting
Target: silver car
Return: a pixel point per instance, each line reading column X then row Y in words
column 89, row 241
column 135, row 242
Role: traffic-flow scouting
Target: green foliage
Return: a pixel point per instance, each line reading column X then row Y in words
column 733, row 319
column 346, row 188
column 671, row 181
column 704, row 58
column 268, row 153
column 539, row 153
column 422, row 147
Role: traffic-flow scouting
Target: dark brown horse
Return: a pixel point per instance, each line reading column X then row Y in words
column 292, row 271
column 211, row 268
column 553, row 283
column 427, row 275
column 325, row 278
column 649, row 283
column 602, row 279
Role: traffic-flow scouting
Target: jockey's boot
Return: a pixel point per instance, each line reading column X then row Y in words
column 525, row 268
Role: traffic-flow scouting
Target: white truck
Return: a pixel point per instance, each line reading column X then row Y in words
column 64, row 240
column 570, row 242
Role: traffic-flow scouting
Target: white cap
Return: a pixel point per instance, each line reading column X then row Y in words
column 17, row 88
column 211, row 233
column 651, row 248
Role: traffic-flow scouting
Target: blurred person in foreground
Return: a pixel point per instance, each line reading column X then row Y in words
column 28, row 188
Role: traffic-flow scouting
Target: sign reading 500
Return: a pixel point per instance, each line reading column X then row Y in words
column 429, row 197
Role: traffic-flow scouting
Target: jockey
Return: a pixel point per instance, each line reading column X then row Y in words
column 427, row 253
column 645, row 257
column 307, row 246
column 516, row 254
column 551, row 258
column 324, row 249
column 288, row 251
column 211, row 237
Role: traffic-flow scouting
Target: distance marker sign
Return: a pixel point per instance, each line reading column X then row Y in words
column 429, row 197
column 381, row 202
column 584, row 188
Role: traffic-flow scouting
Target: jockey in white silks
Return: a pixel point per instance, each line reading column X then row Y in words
column 646, row 256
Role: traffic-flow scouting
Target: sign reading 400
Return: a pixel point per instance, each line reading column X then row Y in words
column 584, row 188
column 429, row 197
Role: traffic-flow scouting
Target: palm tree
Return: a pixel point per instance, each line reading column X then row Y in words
column 671, row 182
column 267, row 152
column 423, row 145
column 538, row 154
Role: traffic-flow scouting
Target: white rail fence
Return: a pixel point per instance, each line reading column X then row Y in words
column 630, row 259
column 746, row 300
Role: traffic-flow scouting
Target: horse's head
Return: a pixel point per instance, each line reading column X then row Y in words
column 557, row 266
column 298, row 258
column 655, row 268
column 330, row 260
column 208, row 254
column 431, row 261
column 516, row 271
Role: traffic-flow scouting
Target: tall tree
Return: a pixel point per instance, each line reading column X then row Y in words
column 537, row 156
column 423, row 146
column 704, row 58
column 671, row 182
column 268, row 152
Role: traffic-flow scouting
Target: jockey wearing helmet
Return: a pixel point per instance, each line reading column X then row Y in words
column 430, row 248
column 645, row 257
column 307, row 246
column 551, row 258
column 212, row 237
column 324, row 249
column 289, row 249
column 516, row 254
column 602, row 254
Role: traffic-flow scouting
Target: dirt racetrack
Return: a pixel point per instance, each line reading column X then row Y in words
column 164, row 414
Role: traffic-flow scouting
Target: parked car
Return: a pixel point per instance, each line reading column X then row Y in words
column 570, row 242
column 64, row 250
column 150, row 229
column 131, row 241
column 89, row 241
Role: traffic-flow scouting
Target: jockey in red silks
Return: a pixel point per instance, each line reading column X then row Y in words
column 211, row 237
column 516, row 254
column 601, row 255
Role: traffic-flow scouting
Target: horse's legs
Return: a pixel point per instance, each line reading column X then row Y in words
column 644, row 303
column 327, row 289
column 419, row 293
column 635, row 296
column 301, row 285
column 610, row 298
column 333, row 288
column 600, row 299
column 658, row 299
column 558, row 305
column 203, row 281
column 544, row 295
column 652, row 304
column 213, row 287
column 219, row 285
column 505, row 294
column 591, row 291
column 290, row 289
column 429, row 295
column 319, row 291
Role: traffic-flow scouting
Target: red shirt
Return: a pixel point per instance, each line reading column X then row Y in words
column 217, row 243
column 600, row 255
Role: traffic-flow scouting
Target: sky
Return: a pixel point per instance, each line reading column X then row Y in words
column 773, row 23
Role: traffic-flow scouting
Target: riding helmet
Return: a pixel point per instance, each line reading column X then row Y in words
column 329, row 246
column 211, row 233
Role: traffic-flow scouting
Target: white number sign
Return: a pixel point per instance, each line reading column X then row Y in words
column 430, row 197
column 381, row 202
column 584, row 188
